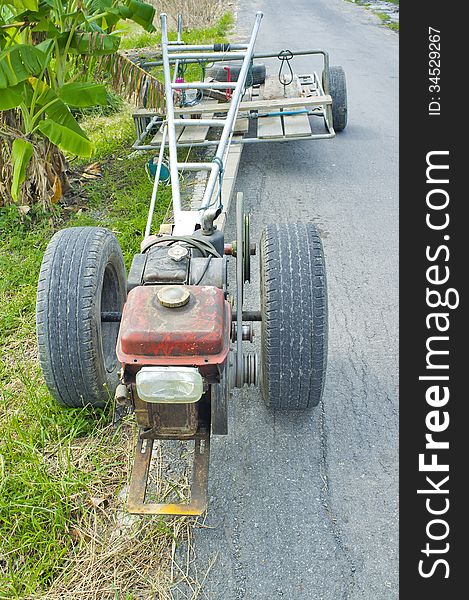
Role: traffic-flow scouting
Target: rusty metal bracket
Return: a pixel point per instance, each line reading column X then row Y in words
column 138, row 483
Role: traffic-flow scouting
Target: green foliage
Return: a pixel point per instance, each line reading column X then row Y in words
column 87, row 42
column 114, row 104
column 21, row 153
column 43, row 80
column 11, row 97
column 18, row 63
column 83, row 94
column 135, row 38
column 48, row 470
column 139, row 12
column 65, row 138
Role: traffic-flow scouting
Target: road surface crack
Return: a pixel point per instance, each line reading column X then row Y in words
column 326, row 499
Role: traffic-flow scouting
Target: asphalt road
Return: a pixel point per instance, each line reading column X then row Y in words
column 304, row 506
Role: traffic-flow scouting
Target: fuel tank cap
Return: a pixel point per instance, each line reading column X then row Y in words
column 173, row 296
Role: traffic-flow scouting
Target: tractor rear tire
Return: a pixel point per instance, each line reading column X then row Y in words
column 82, row 275
column 254, row 77
column 338, row 92
column 294, row 316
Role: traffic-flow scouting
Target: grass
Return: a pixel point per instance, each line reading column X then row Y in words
column 381, row 15
column 135, row 37
column 386, row 20
column 54, row 461
column 119, row 199
column 64, row 531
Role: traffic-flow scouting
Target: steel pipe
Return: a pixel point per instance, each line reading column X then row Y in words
column 207, row 56
column 196, row 166
column 146, row 131
column 208, row 216
column 157, row 63
column 173, row 155
column 204, row 47
column 200, row 122
column 157, row 181
column 179, row 40
column 254, row 140
column 204, row 85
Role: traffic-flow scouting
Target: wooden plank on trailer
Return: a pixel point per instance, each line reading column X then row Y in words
column 242, row 122
column 269, row 127
column 241, row 125
column 195, row 134
column 156, row 141
column 274, row 90
column 261, row 105
column 296, row 125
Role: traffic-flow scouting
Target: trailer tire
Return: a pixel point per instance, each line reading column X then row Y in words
column 294, row 316
column 338, row 91
column 254, row 77
column 82, row 274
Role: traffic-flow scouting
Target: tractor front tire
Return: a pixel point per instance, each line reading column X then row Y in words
column 82, row 275
column 294, row 316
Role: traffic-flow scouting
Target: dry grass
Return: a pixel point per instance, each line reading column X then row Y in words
column 64, row 529
column 65, row 532
column 195, row 13
column 117, row 555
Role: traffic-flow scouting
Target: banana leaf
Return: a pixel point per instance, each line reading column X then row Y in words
column 11, row 97
column 19, row 62
column 21, row 152
column 54, row 107
column 139, row 12
column 65, row 138
column 83, row 95
column 94, row 43
column 22, row 4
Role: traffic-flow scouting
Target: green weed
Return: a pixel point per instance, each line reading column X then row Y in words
column 136, row 37
column 57, row 463
column 51, row 458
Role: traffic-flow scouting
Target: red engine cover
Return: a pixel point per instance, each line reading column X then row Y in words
column 195, row 334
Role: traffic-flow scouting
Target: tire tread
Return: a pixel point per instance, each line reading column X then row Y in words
column 293, row 295
column 68, row 301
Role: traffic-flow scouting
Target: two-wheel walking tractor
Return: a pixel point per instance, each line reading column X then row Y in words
column 168, row 340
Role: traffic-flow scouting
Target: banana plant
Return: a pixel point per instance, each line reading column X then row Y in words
column 47, row 48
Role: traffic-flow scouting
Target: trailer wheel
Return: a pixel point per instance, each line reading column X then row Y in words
column 82, row 275
column 338, row 91
column 255, row 76
column 294, row 316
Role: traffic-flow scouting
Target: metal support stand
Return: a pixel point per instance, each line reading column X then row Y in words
column 138, row 484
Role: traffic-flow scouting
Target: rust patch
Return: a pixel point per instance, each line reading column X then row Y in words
column 194, row 334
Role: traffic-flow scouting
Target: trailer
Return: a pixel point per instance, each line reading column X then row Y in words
column 169, row 341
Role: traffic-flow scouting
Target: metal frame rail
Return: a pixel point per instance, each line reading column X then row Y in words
column 323, row 108
column 185, row 221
